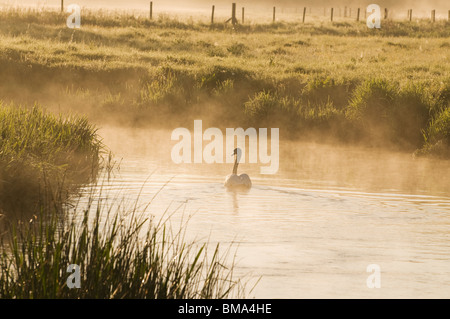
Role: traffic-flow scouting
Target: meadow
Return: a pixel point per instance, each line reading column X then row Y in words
column 318, row 81
column 322, row 80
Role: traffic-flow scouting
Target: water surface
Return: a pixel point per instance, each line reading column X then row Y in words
column 312, row 229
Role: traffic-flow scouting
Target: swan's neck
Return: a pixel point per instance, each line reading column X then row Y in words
column 236, row 163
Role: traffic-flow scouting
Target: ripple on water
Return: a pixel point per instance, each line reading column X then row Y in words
column 312, row 233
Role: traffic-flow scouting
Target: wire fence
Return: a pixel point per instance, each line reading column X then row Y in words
column 235, row 14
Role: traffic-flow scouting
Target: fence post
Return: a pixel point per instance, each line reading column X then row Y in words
column 332, row 9
column 385, row 13
column 243, row 15
column 433, row 16
column 345, row 12
column 410, row 14
column 62, row 5
column 349, row 12
column 212, row 14
column 357, row 14
column 304, row 14
column 448, row 15
column 151, row 10
column 274, row 10
column 233, row 14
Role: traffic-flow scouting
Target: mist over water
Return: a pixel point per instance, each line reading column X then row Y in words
column 301, row 164
column 311, row 229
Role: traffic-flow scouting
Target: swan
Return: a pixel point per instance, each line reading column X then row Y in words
column 237, row 181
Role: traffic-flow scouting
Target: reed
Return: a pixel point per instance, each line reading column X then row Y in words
column 40, row 152
column 120, row 254
column 437, row 136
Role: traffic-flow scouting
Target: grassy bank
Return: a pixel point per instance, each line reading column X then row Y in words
column 119, row 253
column 43, row 155
column 339, row 81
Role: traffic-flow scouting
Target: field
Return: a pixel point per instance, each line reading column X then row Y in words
column 318, row 79
column 329, row 82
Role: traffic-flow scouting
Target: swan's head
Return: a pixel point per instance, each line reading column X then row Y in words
column 238, row 153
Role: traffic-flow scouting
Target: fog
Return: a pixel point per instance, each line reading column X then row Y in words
column 309, row 229
column 302, row 164
column 321, row 163
column 199, row 6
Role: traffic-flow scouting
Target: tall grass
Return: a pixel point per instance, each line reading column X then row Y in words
column 120, row 254
column 388, row 114
column 40, row 151
column 437, row 136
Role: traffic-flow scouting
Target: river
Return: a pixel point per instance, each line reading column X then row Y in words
column 312, row 229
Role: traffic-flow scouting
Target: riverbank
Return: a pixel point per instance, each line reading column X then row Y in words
column 323, row 81
column 43, row 157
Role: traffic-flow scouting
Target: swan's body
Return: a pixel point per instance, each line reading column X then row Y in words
column 234, row 180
